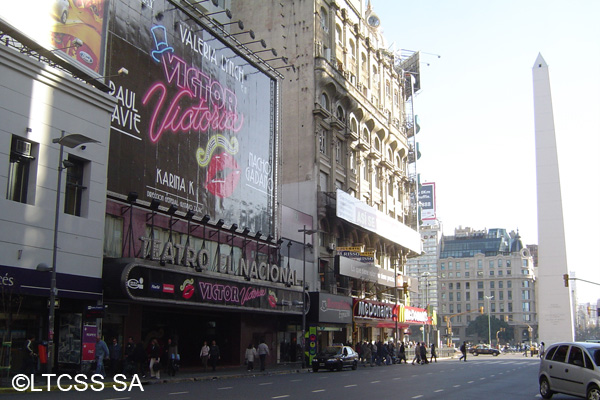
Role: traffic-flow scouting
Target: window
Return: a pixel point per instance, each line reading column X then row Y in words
column 491, row 263
column 479, row 264
column 467, row 296
column 387, row 89
column 576, row 356
column 509, row 294
column 466, row 265
column 491, row 273
column 451, row 296
column 501, row 295
column 458, row 285
column 458, row 297
column 492, row 284
column 499, row 263
column 500, row 273
column 379, row 173
column 450, row 286
column 113, row 236
column 561, row 354
column 338, row 35
column 526, row 307
column 352, row 48
column 340, row 114
column 525, row 263
column 509, row 284
column 354, row 126
column 457, row 265
column 442, row 266
column 377, row 144
column 467, row 285
column 366, row 135
column 20, row 170
column 338, row 151
column 450, row 265
column 324, row 20
column 467, row 274
column 458, row 274
column 525, row 295
column 500, row 284
column 323, row 141
column 480, row 295
column 502, row 307
column 325, row 101
column 458, row 307
column 468, row 308
column 75, row 188
column 323, row 179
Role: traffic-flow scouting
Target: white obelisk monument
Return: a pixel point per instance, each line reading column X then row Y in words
column 554, row 301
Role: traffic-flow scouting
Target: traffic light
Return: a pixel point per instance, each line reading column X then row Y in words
column 481, row 310
column 566, row 278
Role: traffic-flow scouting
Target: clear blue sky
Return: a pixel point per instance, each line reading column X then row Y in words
column 477, row 136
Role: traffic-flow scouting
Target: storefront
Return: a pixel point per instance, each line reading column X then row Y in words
column 234, row 307
column 331, row 317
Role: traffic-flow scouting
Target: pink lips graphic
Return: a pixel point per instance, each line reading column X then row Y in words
column 223, row 175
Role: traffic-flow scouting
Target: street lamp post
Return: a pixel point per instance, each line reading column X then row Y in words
column 71, row 141
column 304, row 233
column 488, row 298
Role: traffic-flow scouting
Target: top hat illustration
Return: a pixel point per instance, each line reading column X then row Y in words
column 159, row 33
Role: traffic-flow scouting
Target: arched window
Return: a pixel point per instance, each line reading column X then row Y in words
column 340, row 114
column 363, row 63
column 352, row 48
column 377, row 143
column 390, row 155
column 338, row 35
column 354, row 126
column 366, row 135
column 325, row 101
column 387, row 88
column 324, row 19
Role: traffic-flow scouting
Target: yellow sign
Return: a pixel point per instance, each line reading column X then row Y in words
column 356, row 249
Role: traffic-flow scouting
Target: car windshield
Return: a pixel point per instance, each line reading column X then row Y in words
column 332, row 350
column 595, row 353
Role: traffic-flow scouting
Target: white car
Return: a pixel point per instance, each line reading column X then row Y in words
column 571, row 368
column 60, row 10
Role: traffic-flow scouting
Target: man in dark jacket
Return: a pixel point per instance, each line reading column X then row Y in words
column 463, row 350
column 214, row 355
column 423, row 349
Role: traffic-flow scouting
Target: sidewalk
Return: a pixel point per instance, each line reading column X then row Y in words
column 184, row 375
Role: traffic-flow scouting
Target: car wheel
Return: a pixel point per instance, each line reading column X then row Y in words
column 340, row 366
column 593, row 393
column 475, row 354
column 355, row 365
column 63, row 17
column 495, row 354
column 315, row 368
column 545, row 391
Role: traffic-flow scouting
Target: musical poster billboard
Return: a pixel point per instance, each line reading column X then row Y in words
column 195, row 121
column 75, row 30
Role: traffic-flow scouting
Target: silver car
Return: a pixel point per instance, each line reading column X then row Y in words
column 571, row 368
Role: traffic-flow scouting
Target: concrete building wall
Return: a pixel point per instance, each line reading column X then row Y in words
column 37, row 103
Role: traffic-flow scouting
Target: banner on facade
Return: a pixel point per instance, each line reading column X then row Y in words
column 364, row 271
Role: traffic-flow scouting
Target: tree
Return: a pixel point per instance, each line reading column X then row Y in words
column 479, row 326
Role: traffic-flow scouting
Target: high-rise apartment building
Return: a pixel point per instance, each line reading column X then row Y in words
column 487, row 270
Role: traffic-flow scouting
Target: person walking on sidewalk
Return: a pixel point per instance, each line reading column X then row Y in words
column 251, row 355
column 214, row 355
column 463, row 350
column 204, row 355
column 402, row 354
column 101, row 354
column 263, row 352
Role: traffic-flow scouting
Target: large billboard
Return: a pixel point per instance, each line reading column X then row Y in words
column 427, row 201
column 194, row 123
column 73, row 29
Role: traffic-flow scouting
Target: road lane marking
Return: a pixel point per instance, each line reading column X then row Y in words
column 296, row 380
column 470, row 381
column 265, row 383
column 120, row 398
column 439, row 390
column 456, row 386
column 225, row 388
column 417, row 397
column 281, row 397
column 350, row 386
column 396, row 378
column 174, row 393
column 482, row 379
column 318, row 390
column 375, row 381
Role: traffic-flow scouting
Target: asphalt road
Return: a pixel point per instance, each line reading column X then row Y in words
column 511, row 377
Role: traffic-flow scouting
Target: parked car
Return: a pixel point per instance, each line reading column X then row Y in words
column 484, row 349
column 335, row 357
column 571, row 368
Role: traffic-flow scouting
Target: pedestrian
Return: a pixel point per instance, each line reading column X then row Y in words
column 424, row 353
column 101, row 353
column 263, row 352
column 368, row 356
column 373, row 353
column 172, row 354
column 129, row 366
column 154, row 360
column 214, row 355
column 402, row 354
column 251, row 354
column 433, row 353
column 542, row 349
column 204, row 351
column 140, row 359
column 30, row 359
column 417, row 354
column 463, row 350
column 115, row 356
column 379, row 352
